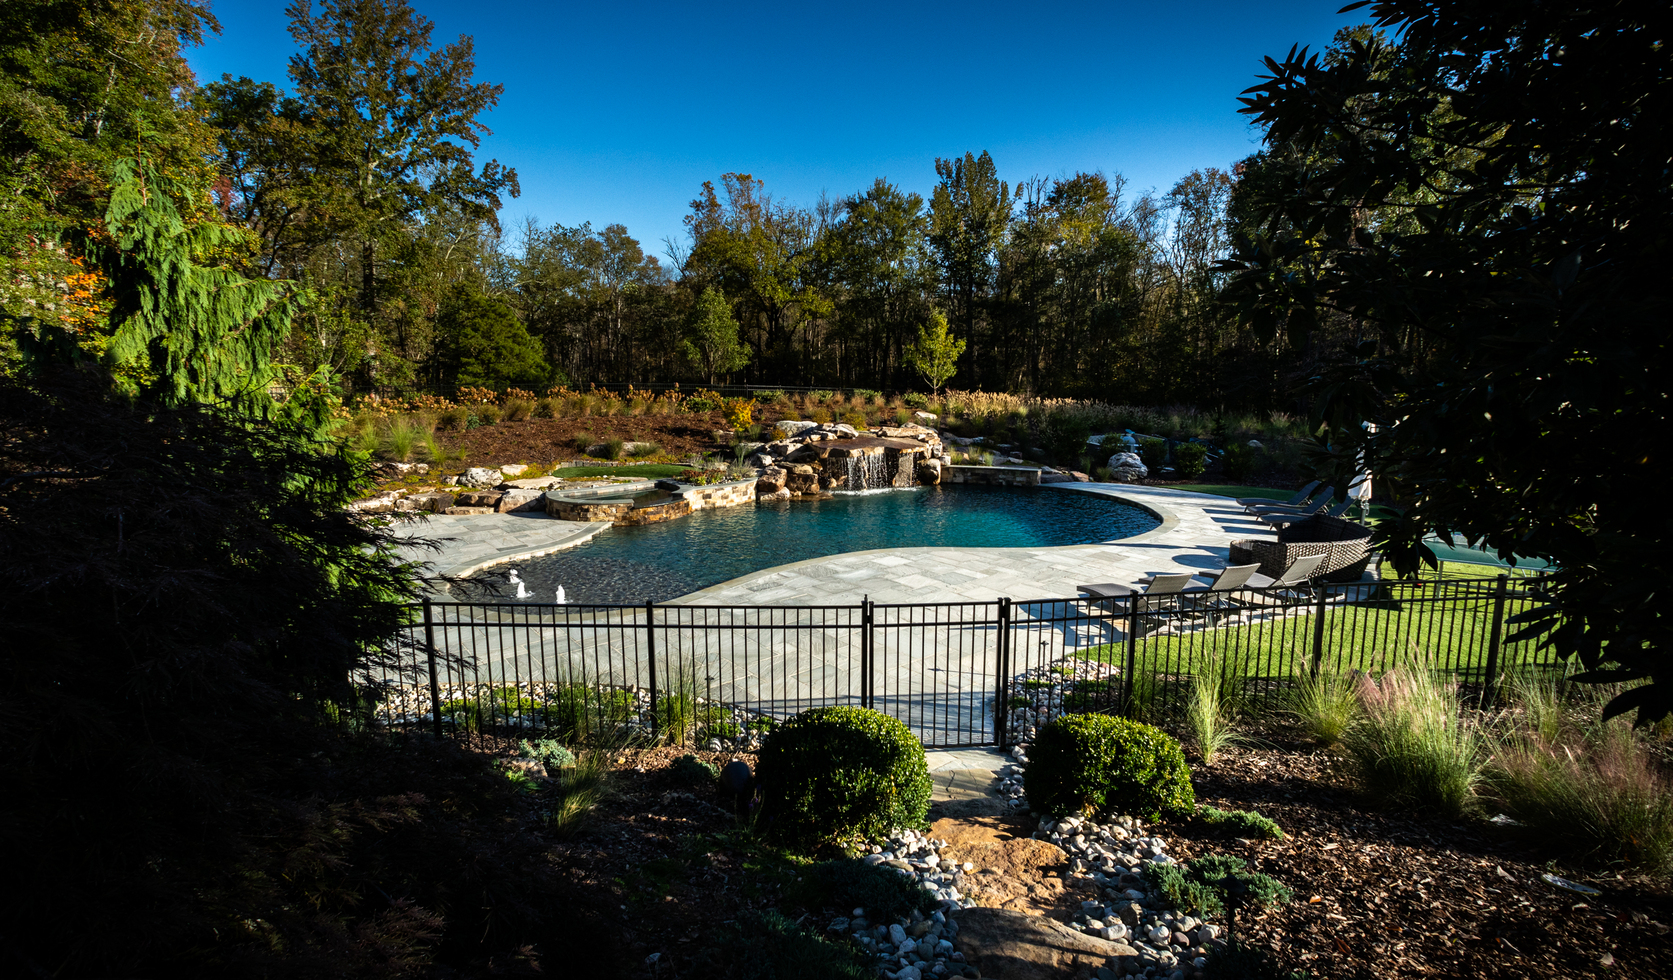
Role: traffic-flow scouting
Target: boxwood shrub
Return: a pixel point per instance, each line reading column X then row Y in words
column 841, row 773
column 1084, row 764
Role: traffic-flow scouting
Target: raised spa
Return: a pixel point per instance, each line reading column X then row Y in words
column 666, row 560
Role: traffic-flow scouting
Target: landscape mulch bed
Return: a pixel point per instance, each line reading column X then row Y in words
column 541, row 441
column 1377, row 893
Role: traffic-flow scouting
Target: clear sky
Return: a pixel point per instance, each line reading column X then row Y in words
column 617, row 112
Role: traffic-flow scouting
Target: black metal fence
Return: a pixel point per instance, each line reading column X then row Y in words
column 959, row 674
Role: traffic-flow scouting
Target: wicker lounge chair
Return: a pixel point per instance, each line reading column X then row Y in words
column 1344, row 548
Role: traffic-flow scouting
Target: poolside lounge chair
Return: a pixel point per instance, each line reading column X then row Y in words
column 1152, row 604
column 1295, row 501
column 1319, row 501
column 1279, row 520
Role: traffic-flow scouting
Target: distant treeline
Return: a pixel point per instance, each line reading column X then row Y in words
column 358, row 183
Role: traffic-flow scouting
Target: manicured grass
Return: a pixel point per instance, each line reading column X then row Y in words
column 658, row 470
column 1404, row 626
column 1227, row 490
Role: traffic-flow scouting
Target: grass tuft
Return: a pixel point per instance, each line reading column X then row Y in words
column 1325, row 705
column 1411, row 747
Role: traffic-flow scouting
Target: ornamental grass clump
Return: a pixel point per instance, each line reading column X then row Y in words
column 1411, row 747
column 1325, row 705
column 1594, row 788
column 840, row 774
column 1209, row 712
column 1086, row 764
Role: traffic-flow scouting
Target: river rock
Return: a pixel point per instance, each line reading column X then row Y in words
column 1127, row 468
column 480, row 476
column 1010, row 944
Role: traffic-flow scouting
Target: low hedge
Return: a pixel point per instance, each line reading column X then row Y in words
column 1085, row 764
column 838, row 774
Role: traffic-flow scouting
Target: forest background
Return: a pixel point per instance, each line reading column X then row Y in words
column 357, row 182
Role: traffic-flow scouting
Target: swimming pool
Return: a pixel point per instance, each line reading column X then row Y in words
column 665, row 561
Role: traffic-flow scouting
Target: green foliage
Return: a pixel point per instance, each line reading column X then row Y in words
column 549, row 753
column 935, row 353
column 767, row 946
column 1595, row 789
column 1200, row 885
column 884, row 892
column 1324, row 704
column 582, row 712
column 612, row 448
column 915, row 400
column 488, row 414
column 1153, row 453
column 703, row 400
column 1190, row 459
column 642, row 449
column 1087, row 764
column 841, row 773
column 1508, row 270
column 1208, row 711
column 1238, row 461
column 690, row 769
column 711, row 340
column 659, row 471
column 1241, row 823
column 1410, row 747
column 482, row 343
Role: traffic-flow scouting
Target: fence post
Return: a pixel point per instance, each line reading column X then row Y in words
column 867, row 681
column 1001, row 706
column 1132, row 651
column 1489, row 689
column 430, row 653
column 1318, row 629
column 650, row 649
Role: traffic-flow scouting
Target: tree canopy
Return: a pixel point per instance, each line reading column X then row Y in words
column 1479, row 200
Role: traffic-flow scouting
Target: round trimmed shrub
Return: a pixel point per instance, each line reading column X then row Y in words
column 1084, row 764
column 841, row 773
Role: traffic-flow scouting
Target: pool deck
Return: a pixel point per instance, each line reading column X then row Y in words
column 1195, row 533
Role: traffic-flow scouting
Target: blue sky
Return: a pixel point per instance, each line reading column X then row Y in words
column 617, row 112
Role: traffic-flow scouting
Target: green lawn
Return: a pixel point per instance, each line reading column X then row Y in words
column 1407, row 626
column 657, row 470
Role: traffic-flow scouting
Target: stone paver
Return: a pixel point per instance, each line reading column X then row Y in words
column 472, row 542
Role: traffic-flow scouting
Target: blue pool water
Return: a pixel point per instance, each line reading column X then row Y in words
column 665, row 561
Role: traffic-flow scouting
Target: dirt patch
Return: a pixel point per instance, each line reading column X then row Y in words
column 543, row 441
column 1010, row 944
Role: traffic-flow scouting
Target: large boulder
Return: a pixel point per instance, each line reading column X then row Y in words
column 929, row 471
column 516, row 500
column 788, row 428
column 924, row 418
column 480, row 476
column 479, row 498
column 514, row 469
column 770, row 482
column 1127, row 468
